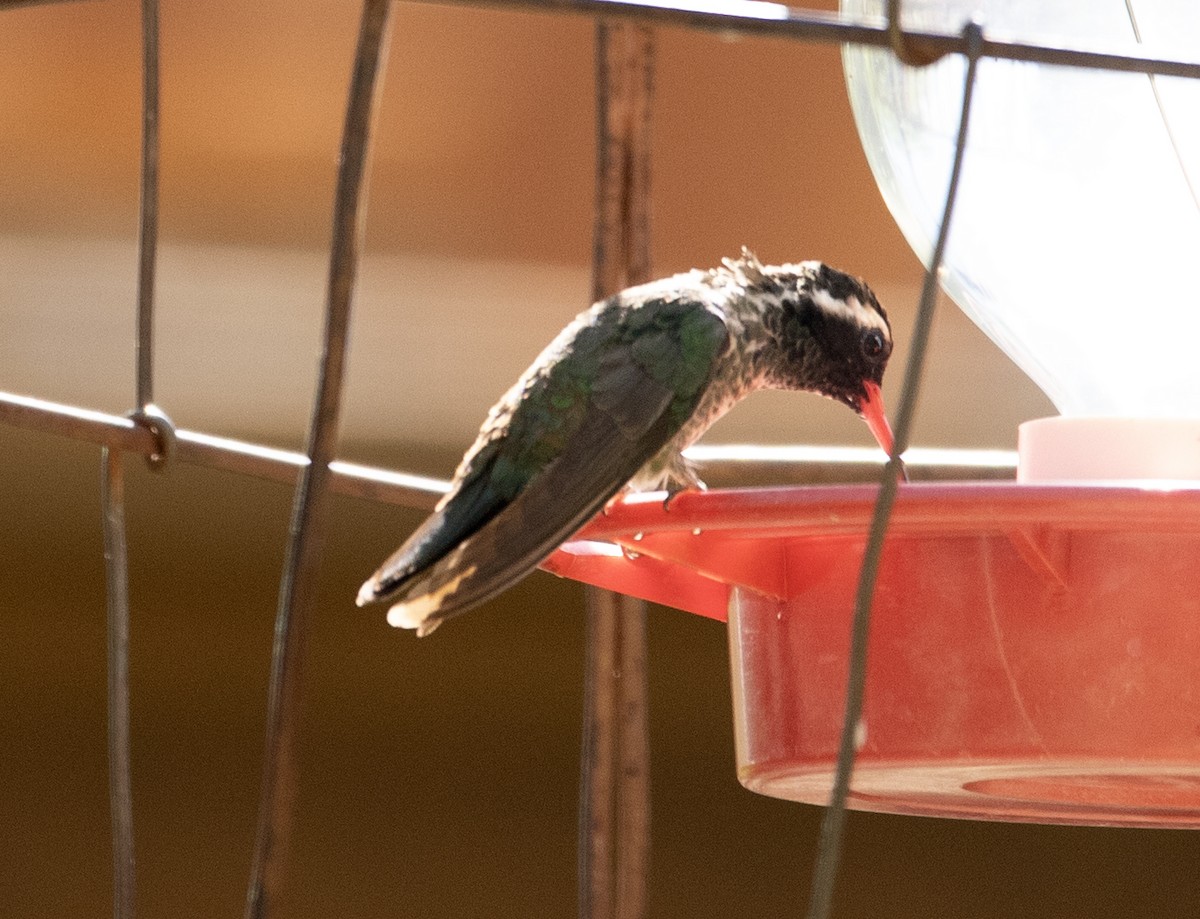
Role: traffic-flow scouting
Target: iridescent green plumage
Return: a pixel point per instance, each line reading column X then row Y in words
column 614, row 398
column 598, row 404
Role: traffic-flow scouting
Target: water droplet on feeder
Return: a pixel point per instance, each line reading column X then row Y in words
column 860, row 735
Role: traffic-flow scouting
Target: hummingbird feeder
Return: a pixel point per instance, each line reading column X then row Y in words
column 1034, row 645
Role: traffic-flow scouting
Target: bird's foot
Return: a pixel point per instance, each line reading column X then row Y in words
column 608, row 505
column 676, row 489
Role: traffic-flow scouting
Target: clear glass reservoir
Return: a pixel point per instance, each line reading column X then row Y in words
column 1075, row 243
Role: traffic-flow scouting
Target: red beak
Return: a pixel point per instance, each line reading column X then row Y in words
column 872, row 411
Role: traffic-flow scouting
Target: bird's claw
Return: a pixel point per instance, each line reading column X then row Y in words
column 673, row 493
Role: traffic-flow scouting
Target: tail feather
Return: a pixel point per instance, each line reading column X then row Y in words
column 520, row 537
column 502, row 552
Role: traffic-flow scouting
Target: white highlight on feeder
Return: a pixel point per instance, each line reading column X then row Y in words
column 585, row 548
column 860, row 734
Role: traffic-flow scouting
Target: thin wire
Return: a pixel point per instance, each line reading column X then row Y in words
column 867, row 457
column 422, row 492
column 120, row 788
column 830, row 845
column 598, row 754
column 213, row 452
column 14, row 4
column 633, row 708
column 148, row 222
column 757, row 17
column 633, row 761
column 1162, row 112
column 297, row 588
column 112, row 491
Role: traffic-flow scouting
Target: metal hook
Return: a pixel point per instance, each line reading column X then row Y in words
column 157, row 422
column 899, row 40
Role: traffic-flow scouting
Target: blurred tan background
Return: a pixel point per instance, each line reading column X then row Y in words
column 439, row 776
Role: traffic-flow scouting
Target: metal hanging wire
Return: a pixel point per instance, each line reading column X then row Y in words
column 149, row 432
column 148, row 222
column 829, row 847
column 297, row 589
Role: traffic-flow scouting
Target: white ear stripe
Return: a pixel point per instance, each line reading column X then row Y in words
column 851, row 309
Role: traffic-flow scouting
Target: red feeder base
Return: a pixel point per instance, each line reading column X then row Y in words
column 1034, row 651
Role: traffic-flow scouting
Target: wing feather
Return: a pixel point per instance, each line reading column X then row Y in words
column 587, row 424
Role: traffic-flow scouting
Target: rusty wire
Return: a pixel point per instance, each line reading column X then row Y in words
column 614, row 795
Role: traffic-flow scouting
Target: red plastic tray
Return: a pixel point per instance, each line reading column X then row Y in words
column 1034, row 653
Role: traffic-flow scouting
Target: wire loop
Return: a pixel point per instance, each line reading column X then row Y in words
column 158, row 423
column 900, row 42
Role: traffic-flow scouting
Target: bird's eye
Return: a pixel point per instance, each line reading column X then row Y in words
column 873, row 343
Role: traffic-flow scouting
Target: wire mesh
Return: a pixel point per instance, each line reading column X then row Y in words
column 149, row 433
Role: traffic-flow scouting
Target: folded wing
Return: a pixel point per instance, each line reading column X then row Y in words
column 560, row 446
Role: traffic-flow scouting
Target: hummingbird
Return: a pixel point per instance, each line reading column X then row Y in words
column 613, row 401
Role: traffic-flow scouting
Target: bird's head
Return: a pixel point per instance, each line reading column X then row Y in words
column 828, row 334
